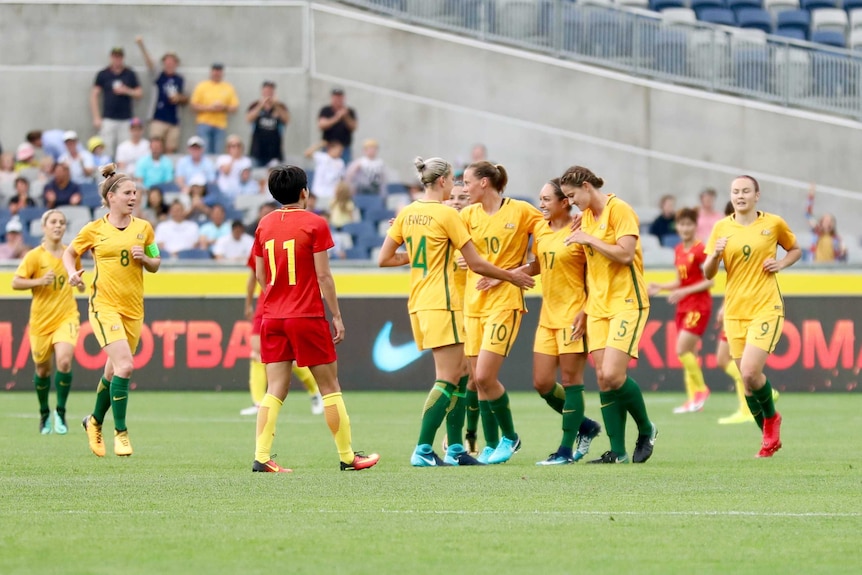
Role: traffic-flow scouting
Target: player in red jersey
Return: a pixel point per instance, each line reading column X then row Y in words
column 690, row 293
column 292, row 268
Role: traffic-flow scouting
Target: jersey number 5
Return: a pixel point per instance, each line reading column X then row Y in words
column 288, row 247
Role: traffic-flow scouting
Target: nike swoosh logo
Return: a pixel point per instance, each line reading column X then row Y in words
column 388, row 357
column 119, row 398
column 607, row 404
column 429, row 460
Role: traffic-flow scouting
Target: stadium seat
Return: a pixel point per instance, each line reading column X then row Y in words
column 679, row 16
column 851, row 6
column 360, row 229
column 5, row 216
column 722, row 16
column 650, row 243
column 794, row 20
column 28, row 214
column 670, row 240
column 642, row 4
column 367, row 202
column 755, row 18
column 396, row 188
column 856, row 39
column 737, row 5
column 194, row 254
column 356, row 254
column 368, row 243
column 791, row 33
column 775, row 7
column 829, row 19
column 856, row 17
column 378, row 215
column 395, row 202
column 342, row 239
column 815, row 4
column 36, row 228
column 251, row 203
column 698, row 5
column 659, row 5
column 829, row 37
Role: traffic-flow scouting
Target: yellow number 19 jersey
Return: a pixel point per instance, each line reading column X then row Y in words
column 53, row 303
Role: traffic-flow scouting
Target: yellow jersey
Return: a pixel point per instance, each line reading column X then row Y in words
column 208, row 93
column 432, row 232
column 751, row 291
column 563, row 277
column 52, row 304
column 502, row 239
column 613, row 287
column 459, row 275
column 118, row 278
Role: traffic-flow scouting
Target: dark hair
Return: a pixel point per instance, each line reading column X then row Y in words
column 687, row 214
column 22, row 179
column 33, row 136
column 112, row 178
column 494, row 172
column 236, row 224
column 753, row 181
column 286, row 184
column 577, row 176
column 728, row 209
column 558, row 190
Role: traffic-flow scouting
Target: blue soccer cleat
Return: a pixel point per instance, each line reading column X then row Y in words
column 505, row 450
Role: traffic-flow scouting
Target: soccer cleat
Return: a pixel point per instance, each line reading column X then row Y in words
column 360, row 462
column 700, row 398
column 644, row 446
column 122, row 445
column 456, row 456
column 45, row 424
column 424, row 456
column 317, row 404
column 687, row 407
column 472, row 448
column 611, row 457
column 738, row 416
column 94, row 435
column 60, row 424
column 589, row 430
column 269, row 467
column 485, row 455
column 505, row 450
column 249, row 410
column 771, row 436
column 556, row 459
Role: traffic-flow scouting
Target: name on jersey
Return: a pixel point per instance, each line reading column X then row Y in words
column 419, row 220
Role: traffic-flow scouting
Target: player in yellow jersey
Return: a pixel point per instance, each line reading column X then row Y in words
column 500, row 229
column 746, row 243
column 617, row 307
column 54, row 318
column 123, row 246
column 432, row 232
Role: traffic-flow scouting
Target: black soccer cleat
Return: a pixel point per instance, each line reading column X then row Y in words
column 611, row 457
column 644, row 446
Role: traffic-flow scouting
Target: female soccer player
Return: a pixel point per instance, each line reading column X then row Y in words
column 617, row 307
column 690, row 293
column 753, row 307
column 123, row 247
column 432, row 233
column 54, row 318
column 500, row 229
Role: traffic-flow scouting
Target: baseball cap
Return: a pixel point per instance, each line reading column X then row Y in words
column 198, row 180
column 195, row 141
column 217, row 66
column 135, row 123
column 268, row 84
column 70, row 135
column 94, row 143
column 117, row 51
column 24, row 152
column 14, row 225
column 337, row 91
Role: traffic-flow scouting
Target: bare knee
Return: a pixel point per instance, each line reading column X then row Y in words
column 610, row 379
column 123, row 368
column 64, row 364
column 43, row 369
column 543, row 386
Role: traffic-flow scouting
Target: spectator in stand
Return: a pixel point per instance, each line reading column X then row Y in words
column 46, row 170
column 80, row 161
column 7, row 169
column 193, row 164
column 213, row 100
column 14, row 247
column 328, row 169
column 156, row 210
column 21, row 198
column 337, row 123
column 53, row 144
column 61, row 191
column 230, row 166
column 133, row 149
column 167, row 98
column 311, row 205
column 478, row 153
column 97, row 149
column 268, row 118
column 707, row 216
column 117, row 85
column 176, row 233
column 664, row 226
column 826, row 245
column 217, row 227
column 342, row 210
column 154, row 168
column 416, row 190
column 197, row 209
column 367, row 175
column 262, row 211
column 248, row 186
column 25, row 157
column 235, row 246
column 34, row 138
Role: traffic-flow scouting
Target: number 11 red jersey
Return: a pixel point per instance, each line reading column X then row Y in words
column 287, row 240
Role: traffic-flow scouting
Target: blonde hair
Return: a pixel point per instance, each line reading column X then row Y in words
column 112, row 178
column 343, row 196
column 47, row 215
column 431, row 169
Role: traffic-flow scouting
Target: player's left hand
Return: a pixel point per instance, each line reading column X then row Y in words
column 578, row 237
column 772, row 266
column 338, row 326
column 462, row 263
column 675, row 296
column 579, row 326
column 487, row 283
column 137, row 252
column 576, row 221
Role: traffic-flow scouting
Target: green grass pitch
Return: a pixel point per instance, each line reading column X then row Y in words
column 187, row 502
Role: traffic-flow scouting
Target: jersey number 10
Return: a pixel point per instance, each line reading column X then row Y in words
column 288, row 246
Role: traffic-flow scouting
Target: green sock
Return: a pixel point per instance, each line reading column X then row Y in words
column 764, row 398
column 457, row 412
column 633, row 401
column 573, row 414
column 615, row 420
column 119, row 401
column 63, row 383
column 489, row 424
column 503, row 414
column 556, row 397
column 755, row 409
column 434, row 412
column 43, row 386
column 472, row 411
column 103, row 400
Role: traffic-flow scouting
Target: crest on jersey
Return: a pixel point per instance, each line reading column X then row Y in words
column 601, row 227
column 510, row 226
column 765, row 232
column 140, row 236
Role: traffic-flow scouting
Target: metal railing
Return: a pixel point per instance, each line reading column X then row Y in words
column 717, row 58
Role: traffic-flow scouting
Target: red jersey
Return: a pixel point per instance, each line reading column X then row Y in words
column 689, row 268
column 287, row 240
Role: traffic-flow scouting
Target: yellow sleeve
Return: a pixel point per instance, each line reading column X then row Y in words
column 28, row 267
column 84, row 241
column 456, row 230
column 149, row 234
column 395, row 231
column 532, row 217
column 624, row 221
column 197, row 95
column 786, row 238
column 234, row 100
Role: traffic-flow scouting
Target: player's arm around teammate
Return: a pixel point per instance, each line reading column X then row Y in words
column 746, row 244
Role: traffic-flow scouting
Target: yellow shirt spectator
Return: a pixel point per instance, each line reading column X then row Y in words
column 52, row 304
column 208, row 93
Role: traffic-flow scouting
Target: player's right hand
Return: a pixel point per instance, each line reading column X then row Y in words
column 75, row 278
column 653, row 289
column 48, row 278
column 720, row 244
column 522, row 279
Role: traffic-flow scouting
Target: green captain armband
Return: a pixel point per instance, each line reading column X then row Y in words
column 152, row 250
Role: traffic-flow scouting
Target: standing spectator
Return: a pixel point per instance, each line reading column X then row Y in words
column 707, row 216
column 156, row 210
column 80, row 161
column 215, row 228
column 230, row 166
column 25, row 157
column 213, row 100
column 155, row 168
column 7, row 169
column 193, row 164
column 235, row 246
column 328, row 169
column 117, row 85
column 268, row 118
column 96, row 146
column 342, row 210
column 61, row 191
column 133, row 149
column 14, row 247
column 34, row 138
column 827, row 245
column 664, row 226
column 367, row 175
column 338, row 122
column 167, row 99
column 22, row 198
column 176, row 233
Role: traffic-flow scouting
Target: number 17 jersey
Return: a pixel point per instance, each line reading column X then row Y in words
column 287, row 240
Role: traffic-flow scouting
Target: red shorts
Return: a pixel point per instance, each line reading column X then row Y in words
column 305, row 340
column 693, row 320
column 257, row 320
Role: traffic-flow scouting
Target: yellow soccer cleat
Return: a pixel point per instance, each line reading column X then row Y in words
column 122, row 445
column 738, row 417
column 94, row 435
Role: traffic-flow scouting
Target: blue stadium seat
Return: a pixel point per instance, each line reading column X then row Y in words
column 368, row 243
column 737, row 5
column 756, row 18
column 360, row 229
column 396, row 188
column 378, row 215
column 167, row 187
column 698, row 5
column 815, row 4
column 356, row 254
column 829, row 37
column 26, row 215
column 791, row 33
column 194, row 254
column 850, row 5
column 367, row 202
column 659, row 5
column 794, row 20
column 723, row 16
column 5, row 216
